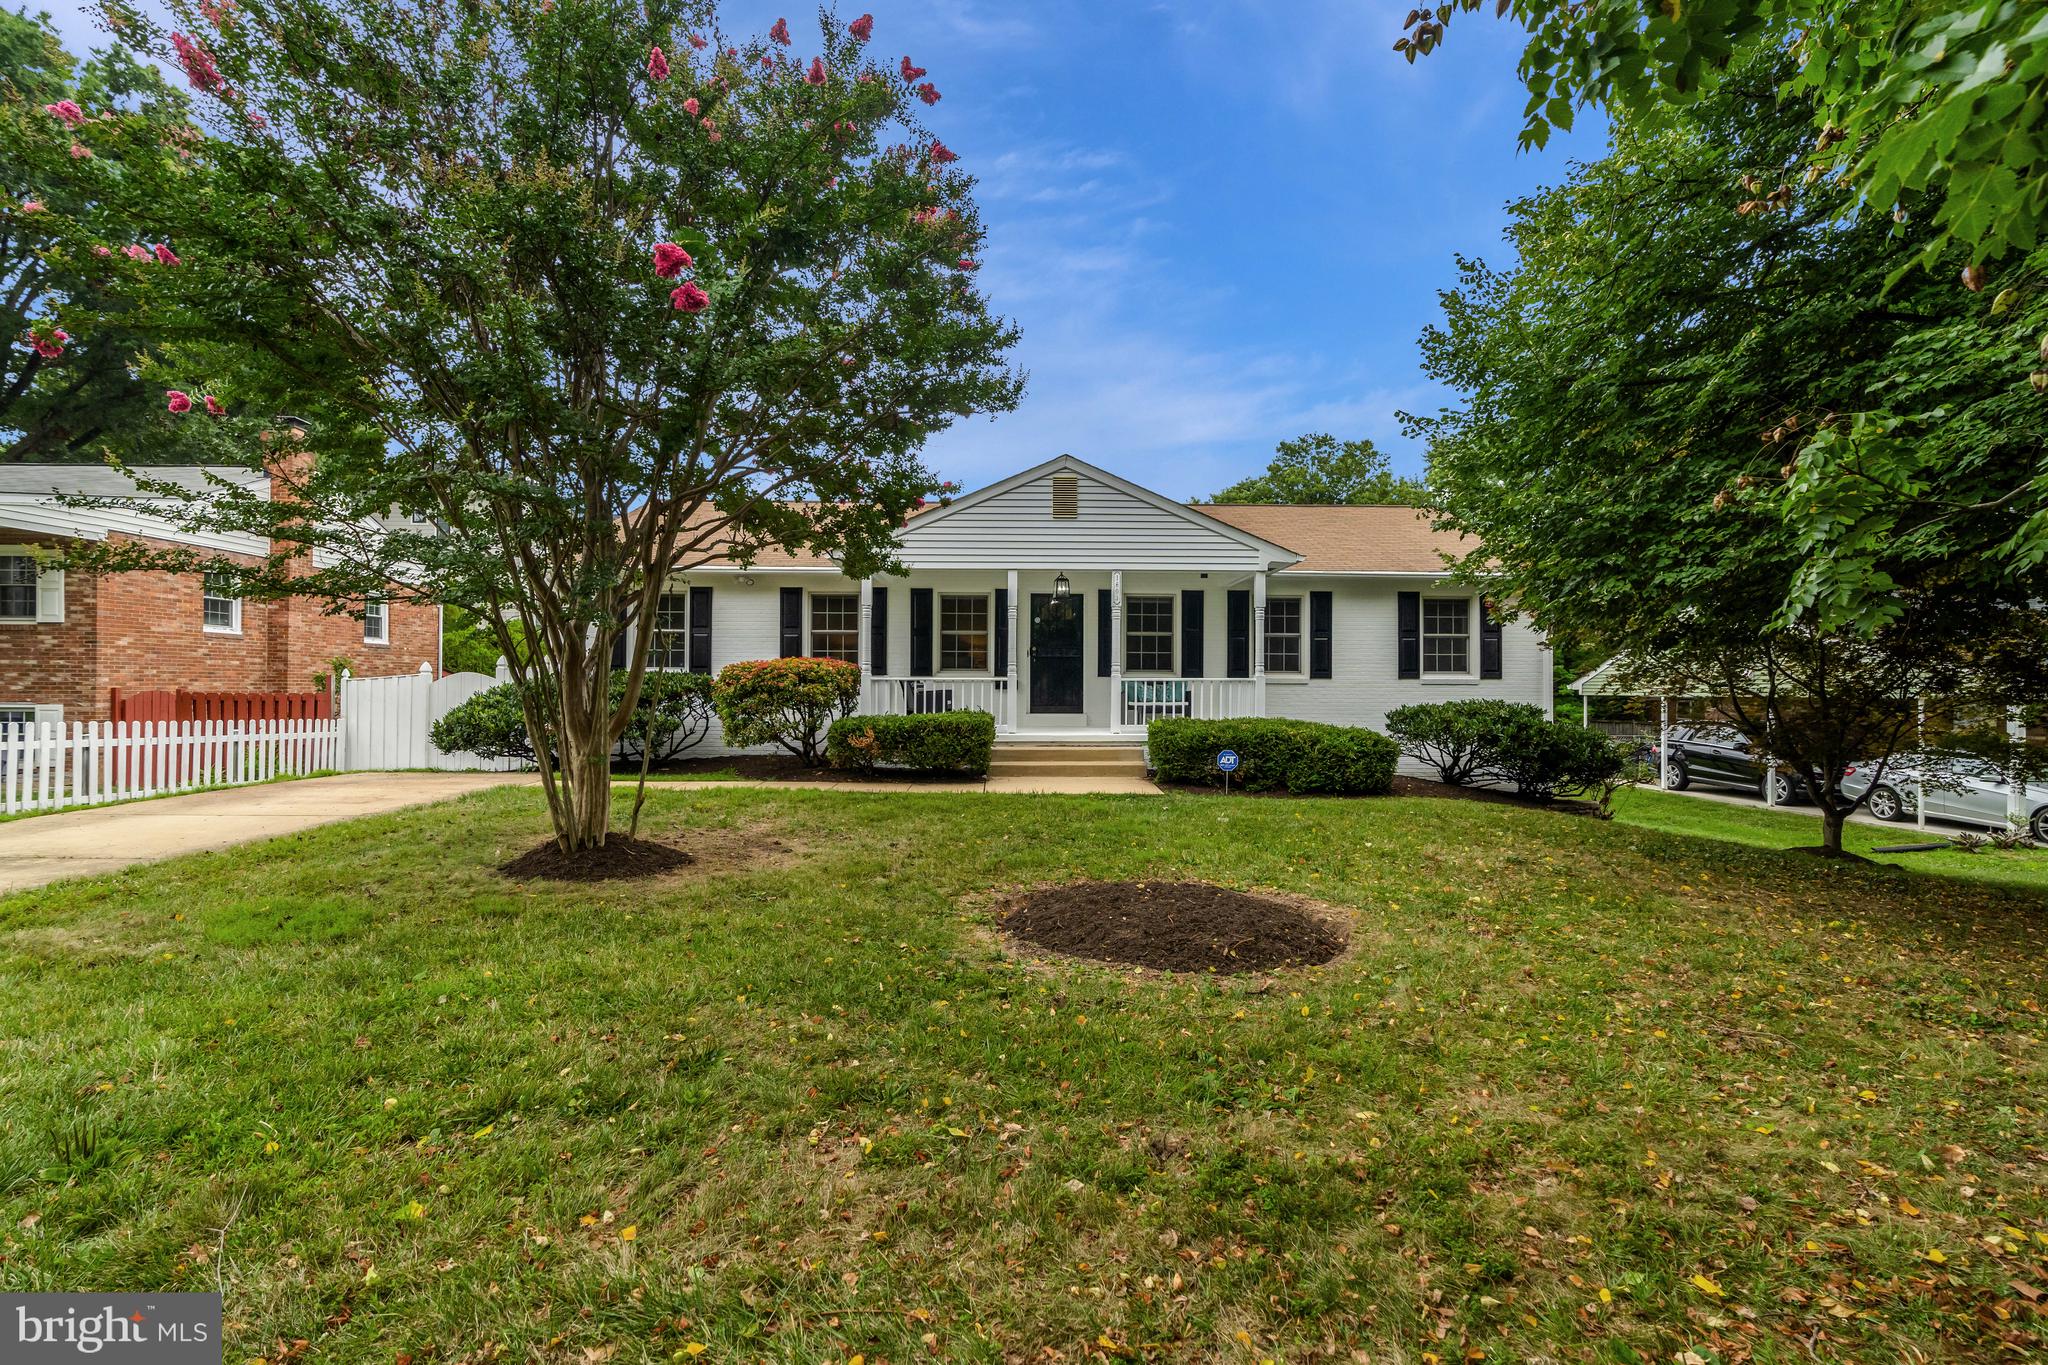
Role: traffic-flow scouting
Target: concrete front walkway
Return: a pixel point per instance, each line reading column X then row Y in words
column 82, row 843
column 1106, row 785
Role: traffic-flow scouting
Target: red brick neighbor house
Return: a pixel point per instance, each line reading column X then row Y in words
column 68, row 638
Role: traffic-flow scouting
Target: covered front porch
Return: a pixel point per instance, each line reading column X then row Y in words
column 1087, row 656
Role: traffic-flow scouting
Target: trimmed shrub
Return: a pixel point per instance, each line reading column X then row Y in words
column 950, row 741
column 1555, row 758
column 1297, row 756
column 785, row 702
column 1464, row 740
column 674, row 711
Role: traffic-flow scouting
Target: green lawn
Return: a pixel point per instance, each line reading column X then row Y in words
column 1581, row 1092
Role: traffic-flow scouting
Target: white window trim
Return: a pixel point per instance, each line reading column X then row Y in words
column 383, row 636
column 1173, row 626
column 234, row 627
column 1470, row 673
column 1300, row 635
column 811, row 622
column 683, row 635
column 35, row 615
column 939, row 629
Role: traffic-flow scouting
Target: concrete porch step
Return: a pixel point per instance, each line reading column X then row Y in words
column 1067, row 760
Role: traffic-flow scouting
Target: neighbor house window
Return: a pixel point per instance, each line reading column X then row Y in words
column 835, row 626
column 1446, row 635
column 17, row 588
column 16, row 715
column 220, row 611
column 1283, row 635
column 376, row 623
column 670, row 647
column 963, row 633
column 1148, row 634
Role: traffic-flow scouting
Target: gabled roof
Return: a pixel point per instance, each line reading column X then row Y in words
column 1069, row 464
column 1348, row 540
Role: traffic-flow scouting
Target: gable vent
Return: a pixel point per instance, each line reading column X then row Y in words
column 1066, row 496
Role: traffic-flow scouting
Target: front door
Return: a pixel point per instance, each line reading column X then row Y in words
column 1055, row 654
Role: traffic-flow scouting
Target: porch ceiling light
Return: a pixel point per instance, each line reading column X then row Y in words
column 1060, row 587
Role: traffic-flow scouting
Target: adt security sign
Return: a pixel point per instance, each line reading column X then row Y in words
column 1226, row 761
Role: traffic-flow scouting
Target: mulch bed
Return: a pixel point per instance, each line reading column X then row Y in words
column 782, row 768
column 621, row 858
column 1172, row 926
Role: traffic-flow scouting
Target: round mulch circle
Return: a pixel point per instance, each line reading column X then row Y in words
column 620, row 858
column 1172, row 926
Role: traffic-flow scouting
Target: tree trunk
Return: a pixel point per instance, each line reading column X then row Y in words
column 586, row 779
column 1831, row 822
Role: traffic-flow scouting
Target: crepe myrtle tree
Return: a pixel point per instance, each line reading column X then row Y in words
column 602, row 291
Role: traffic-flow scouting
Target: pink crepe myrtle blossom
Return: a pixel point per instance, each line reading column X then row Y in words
column 135, row 252
column 66, row 112
column 689, row 297
column 862, row 28
column 31, row 206
column 767, row 59
column 79, row 151
column 216, row 11
column 49, row 345
column 657, row 64
column 941, row 153
column 197, row 64
column 699, row 43
column 928, row 92
column 258, row 122
column 167, row 256
column 177, row 400
column 969, row 263
column 714, row 136
column 213, row 407
column 670, row 260
column 691, row 107
column 102, row 251
column 910, row 73
column 780, row 33
column 816, row 75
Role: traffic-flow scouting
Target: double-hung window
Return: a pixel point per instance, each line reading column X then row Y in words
column 220, row 610
column 376, row 622
column 17, row 588
column 670, row 647
column 1446, row 635
column 963, row 633
column 1283, row 635
column 1148, row 634
column 835, row 626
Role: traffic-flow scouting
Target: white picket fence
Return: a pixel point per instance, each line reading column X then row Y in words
column 50, row 766
column 387, row 722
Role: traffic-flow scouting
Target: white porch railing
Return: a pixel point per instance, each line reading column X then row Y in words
column 932, row 696
column 1145, row 700
column 46, row 767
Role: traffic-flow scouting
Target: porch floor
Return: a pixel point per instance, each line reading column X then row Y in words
column 1101, row 738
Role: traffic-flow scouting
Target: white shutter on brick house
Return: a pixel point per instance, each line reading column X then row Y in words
column 50, row 597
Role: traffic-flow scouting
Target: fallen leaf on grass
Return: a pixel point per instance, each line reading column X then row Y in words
column 1706, row 1286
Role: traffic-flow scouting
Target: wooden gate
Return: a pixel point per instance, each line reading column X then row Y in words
column 233, row 706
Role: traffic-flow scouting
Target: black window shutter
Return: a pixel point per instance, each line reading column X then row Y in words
column 1105, row 644
column 878, row 634
column 1489, row 641
column 1191, row 632
column 700, row 630
column 619, row 651
column 1237, row 631
column 920, row 632
column 792, row 622
column 1408, row 635
column 1002, row 632
column 1321, row 611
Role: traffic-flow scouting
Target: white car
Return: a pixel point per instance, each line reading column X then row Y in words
column 1972, row 794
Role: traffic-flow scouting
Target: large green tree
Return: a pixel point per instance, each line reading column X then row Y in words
column 1631, row 390
column 70, row 372
column 1319, row 468
column 600, row 288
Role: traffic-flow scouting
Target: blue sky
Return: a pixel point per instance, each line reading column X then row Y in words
column 1219, row 223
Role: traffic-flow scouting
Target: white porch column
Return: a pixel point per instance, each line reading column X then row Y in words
column 2015, row 788
column 864, row 644
column 1116, row 650
column 1664, row 743
column 1920, row 762
column 1007, row 720
column 1259, row 643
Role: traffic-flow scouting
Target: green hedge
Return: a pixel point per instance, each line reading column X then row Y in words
column 785, row 702
column 951, row 741
column 1299, row 756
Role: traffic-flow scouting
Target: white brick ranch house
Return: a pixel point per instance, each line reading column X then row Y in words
column 1076, row 606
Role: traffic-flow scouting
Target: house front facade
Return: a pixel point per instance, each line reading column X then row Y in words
column 68, row 640
column 1074, row 605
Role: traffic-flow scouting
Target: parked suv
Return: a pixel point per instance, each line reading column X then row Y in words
column 1978, row 794
column 1718, row 755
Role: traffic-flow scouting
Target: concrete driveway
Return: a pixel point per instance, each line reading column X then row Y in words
column 84, row 843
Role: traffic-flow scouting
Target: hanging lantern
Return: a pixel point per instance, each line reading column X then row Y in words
column 1060, row 588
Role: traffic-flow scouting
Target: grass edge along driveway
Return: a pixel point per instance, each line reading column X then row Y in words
column 1579, row 1091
